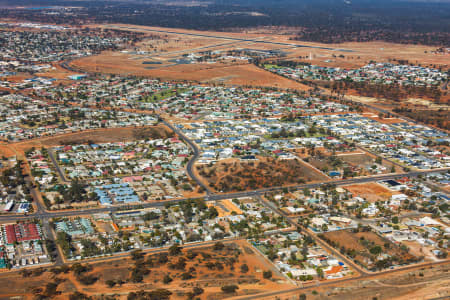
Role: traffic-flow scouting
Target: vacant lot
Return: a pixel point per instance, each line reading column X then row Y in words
column 368, row 249
column 229, row 74
column 365, row 161
column 371, row 191
column 358, row 159
column 6, row 151
column 383, row 119
column 235, row 175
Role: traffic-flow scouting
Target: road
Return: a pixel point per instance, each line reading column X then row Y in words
column 307, row 231
column 190, row 165
column 46, row 216
column 60, row 172
column 209, row 197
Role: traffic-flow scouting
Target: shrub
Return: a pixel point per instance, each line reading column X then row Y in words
column 218, row 246
column 244, row 268
column 79, row 296
column 229, row 288
column 163, row 258
column 167, row 279
column 267, row 274
column 186, row 276
column 87, row 279
column 159, row 294
column 110, row 283
column 137, row 255
column 175, row 250
column 197, row 291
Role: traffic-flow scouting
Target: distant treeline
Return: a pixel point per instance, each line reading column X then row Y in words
column 438, row 118
column 326, row 21
column 331, row 35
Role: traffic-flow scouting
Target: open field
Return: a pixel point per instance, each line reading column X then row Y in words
column 6, row 151
column 106, row 135
column 371, row 191
column 361, row 246
column 366, row 161
column 231, row 74
column 360, row 162
column 383, row 120
column 234, row 175
column 59, row 73
column 422, row 110
column 364, row 52
column 210, row 270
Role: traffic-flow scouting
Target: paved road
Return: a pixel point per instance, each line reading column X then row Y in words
column 34, row 194
column 45, row 216
column 209, row 197
column 40, row 210
column 61, row 174
column 190, row 164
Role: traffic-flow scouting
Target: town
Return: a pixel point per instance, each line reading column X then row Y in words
column 117, row 181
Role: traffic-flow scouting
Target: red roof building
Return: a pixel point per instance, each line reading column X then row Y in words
column 22, row 232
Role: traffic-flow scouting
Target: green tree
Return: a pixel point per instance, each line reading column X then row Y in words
column 376, row 250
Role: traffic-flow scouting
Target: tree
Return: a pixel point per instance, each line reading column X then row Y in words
column 175, row 250
column 64, row 241
column 197, row 290
column 137, row 255
column 212, row 212
column 87, row 279
column 229, row 288
column 302, row 297
column 159, row 294
column 179, row 265
column 163, row 258
column 137, row 274
column 218, row 246
column 186, row 276
column 376, row 250
column 78, row 268
column 167, row 279
column 110, row 283
column 267, row 274
column 244, row 268
column 320, row 272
